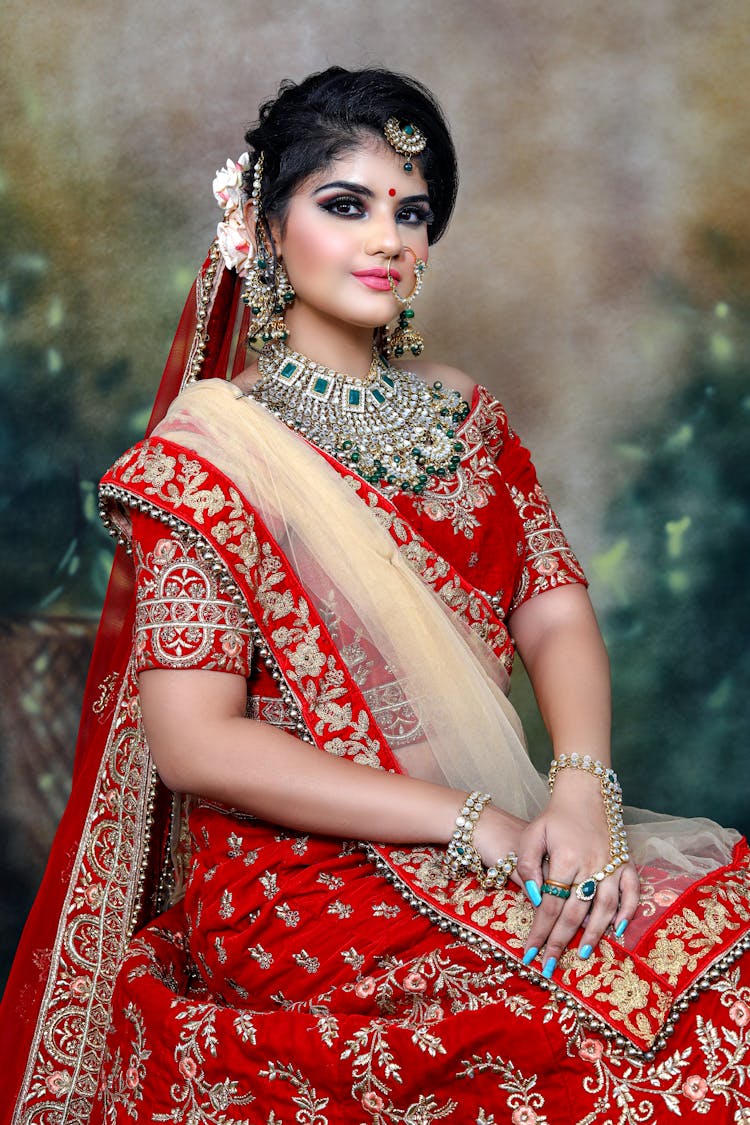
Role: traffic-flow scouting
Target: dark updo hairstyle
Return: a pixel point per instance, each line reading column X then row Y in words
column 312, row 123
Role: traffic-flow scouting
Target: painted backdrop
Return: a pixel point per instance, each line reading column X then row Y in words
column 597, row 278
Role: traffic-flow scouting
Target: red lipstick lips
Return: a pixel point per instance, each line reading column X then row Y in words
column 377, row 278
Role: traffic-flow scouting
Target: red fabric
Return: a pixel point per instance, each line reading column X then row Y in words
column 182, row 617
column 296, row 975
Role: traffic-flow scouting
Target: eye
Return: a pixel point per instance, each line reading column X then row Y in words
column 414, row 215
column 347, row 206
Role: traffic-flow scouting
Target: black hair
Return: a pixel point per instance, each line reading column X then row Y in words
column 313, row 122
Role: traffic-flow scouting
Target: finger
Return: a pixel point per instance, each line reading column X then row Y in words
column 547, row 917
column 559, row 934
column 630, row 890
column 603, row 911
column 532, row 849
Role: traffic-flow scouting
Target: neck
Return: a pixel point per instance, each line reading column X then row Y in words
column 325, row 340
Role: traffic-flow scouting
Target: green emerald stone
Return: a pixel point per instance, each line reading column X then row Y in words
column 377, row 395
column 288, row 370
column 389, row 382
column 409, row 130
column 408, row 167
column 408, row 313
column 354, row 396
column 320, row 386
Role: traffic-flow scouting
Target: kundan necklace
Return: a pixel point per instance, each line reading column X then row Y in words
column 390, row 427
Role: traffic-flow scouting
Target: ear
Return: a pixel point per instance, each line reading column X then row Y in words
column 277, row 235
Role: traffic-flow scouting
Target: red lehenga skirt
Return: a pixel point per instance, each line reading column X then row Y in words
column 295, row 983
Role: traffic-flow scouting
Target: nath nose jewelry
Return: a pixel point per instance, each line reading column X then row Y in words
column 404, row 337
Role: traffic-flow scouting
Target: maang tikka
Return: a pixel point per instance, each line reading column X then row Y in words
column 268, row 292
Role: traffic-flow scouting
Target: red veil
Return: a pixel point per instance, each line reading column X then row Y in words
column 209, row 343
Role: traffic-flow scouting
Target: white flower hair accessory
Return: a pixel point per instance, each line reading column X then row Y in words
column 235, row 240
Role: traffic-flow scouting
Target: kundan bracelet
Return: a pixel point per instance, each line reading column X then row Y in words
column 461, row 855
column 612, row 797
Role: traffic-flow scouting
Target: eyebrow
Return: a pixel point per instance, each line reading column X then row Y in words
column 360, row 189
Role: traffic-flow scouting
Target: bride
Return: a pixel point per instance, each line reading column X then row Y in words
column 308, row 872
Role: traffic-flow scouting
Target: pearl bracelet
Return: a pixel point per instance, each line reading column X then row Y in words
column 612, row 797
column 461, row 855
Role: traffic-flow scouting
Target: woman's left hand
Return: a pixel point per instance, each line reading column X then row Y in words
column 567, row 843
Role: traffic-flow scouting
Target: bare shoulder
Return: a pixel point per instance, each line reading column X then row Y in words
column 451, row 378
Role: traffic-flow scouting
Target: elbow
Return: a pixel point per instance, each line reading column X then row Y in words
column 172, row 766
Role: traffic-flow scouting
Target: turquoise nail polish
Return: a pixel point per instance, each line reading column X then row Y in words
column 621, row 927
column 549, row 967
column 530, row 954
column 532, row 890
column 585, row 952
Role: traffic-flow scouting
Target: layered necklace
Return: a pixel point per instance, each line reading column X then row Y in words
column 389, row 427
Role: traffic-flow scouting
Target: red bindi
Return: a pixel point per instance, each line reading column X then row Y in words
column 391, row 191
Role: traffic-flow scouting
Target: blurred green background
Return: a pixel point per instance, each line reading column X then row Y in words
column 597, row 278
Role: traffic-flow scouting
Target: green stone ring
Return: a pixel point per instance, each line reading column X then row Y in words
column 586, row 890
column 557, row 892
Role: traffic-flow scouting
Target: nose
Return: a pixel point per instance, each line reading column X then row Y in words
column 384, row 237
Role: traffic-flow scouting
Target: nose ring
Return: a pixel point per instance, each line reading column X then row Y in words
column 419, row 267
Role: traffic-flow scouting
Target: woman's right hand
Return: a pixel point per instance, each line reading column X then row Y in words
column 497, row 833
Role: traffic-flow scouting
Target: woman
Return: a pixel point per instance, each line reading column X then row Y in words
column 337, row 548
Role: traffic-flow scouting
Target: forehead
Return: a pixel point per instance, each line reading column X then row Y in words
column 372, row 163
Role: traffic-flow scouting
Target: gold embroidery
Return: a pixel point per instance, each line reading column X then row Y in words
column 106, row 689
column 180, row 620
column 549, row 561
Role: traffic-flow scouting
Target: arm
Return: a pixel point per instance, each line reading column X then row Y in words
column 559, row 642
column 202, row 743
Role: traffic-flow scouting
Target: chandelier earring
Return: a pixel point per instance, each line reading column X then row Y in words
column 405, row 338
column 268, row 292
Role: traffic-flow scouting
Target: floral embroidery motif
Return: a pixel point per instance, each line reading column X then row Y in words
column 710, row 1076
column 436, row 572
column 458, row 497
column 182, row 621
column 617, row 988
column 522, row 1099
column 549, row 561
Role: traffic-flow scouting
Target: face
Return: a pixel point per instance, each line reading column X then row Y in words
column 343, row 226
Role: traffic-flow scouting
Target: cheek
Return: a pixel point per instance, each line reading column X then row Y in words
column 318, row 249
